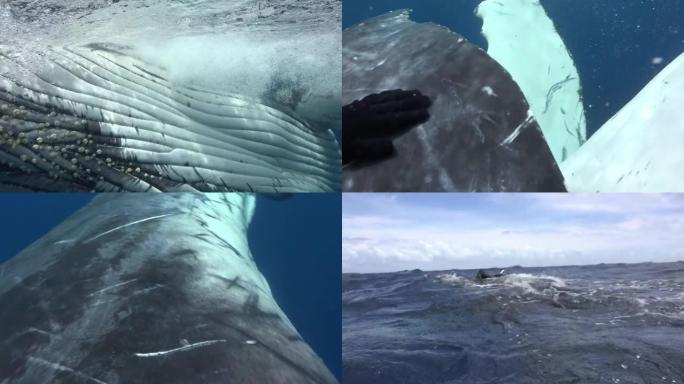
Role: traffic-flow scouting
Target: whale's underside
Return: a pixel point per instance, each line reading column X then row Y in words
column 541, row 65
column 481, row 135
column 94, row 117
column 148, row 288
column 641, row 148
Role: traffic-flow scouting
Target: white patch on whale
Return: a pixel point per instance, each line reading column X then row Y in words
column 640, row 149
column 523, row 39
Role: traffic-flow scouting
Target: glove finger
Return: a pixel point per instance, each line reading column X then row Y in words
column 399, row 123
column 372, row 150
column 411, row 102
column 386, row 96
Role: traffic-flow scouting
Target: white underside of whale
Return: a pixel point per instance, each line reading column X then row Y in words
column 523, row 39
column 641, row 149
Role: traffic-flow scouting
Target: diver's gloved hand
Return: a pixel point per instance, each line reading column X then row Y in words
column 369, row 125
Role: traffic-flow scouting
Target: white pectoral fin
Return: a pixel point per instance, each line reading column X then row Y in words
column 554, row 95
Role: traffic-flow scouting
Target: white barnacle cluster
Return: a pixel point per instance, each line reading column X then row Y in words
column 57, row 146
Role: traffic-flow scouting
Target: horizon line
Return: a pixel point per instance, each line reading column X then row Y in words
column 512, row 266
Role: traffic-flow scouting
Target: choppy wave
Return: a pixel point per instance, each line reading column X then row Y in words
column 587, row 324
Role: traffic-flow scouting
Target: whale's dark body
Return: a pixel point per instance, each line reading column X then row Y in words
column 148, row 288
column 481, row 135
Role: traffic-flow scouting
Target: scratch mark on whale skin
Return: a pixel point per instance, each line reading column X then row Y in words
column 513, row 136
column 112, row 287
column 555, row 88
column 180, row 349
column 128, row 225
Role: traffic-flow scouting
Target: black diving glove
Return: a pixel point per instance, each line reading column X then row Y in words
column 369, row 125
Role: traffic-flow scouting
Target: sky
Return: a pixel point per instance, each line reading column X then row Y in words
column 393, row 232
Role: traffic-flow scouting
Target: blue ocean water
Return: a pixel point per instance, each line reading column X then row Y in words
column 28, row 216
column 296, row 243
column 613, row 42
column 608, row 323
column 302, row 258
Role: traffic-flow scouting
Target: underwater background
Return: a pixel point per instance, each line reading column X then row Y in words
column 295, row 241
column 618, row 46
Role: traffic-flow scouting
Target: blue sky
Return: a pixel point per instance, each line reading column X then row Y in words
column 390, row 232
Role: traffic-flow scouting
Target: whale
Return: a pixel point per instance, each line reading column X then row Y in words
column 484, row 275
column 110, row 107
column 148, row 288
column 541, row 65
column 482, row 135
column 628, row 153
column 640, row 149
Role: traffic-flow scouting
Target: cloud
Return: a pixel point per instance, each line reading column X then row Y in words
column 620, row 204
column 449, row 231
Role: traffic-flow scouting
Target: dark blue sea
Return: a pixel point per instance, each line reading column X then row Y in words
column 296, row 243
column 583, row 324
column 613, row 42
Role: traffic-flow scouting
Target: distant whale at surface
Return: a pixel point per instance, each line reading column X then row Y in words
column 204, row 103
column 148, row 288
column 483, row 275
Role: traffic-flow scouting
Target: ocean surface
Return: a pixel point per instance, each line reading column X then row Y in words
column 613, row 323
column 295, row 242
column 613, row 42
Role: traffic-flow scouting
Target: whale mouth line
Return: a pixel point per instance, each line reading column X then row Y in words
column 95, row 118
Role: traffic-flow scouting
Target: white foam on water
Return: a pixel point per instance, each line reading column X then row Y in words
column 529, row 283
column 535, row 284
column 454, row 279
